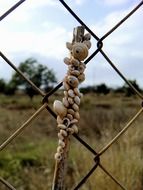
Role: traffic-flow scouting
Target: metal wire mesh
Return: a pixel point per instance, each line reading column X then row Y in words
column 45, row 105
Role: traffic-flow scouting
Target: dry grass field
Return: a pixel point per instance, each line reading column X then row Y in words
column 28, row 162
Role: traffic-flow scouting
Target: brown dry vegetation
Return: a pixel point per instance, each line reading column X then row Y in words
column 28, row 162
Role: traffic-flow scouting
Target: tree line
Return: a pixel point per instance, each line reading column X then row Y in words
column 104, row 89
column 39, row 74
column 45, row 78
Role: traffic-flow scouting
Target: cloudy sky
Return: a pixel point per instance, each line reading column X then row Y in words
column 40, row 29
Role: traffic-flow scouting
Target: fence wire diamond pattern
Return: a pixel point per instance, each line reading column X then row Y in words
column 97, row 155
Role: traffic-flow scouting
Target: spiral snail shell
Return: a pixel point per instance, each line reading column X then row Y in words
column 72, row 81
column 79, row 51
column 59, row 108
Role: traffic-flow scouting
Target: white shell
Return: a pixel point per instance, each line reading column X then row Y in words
column 70, row 100
column 60, row 150
column 75, row 62
column 77, row 92
column 63, row 132
column 67, row 61
column 61, row 126
column 65, row 102
column 77, row 100
column 75, row 128
column 61, row 143
column 59, row 120
column 75, row 107
column 59, row 108
column 66, row 121
column 71, row 93
column 72, row 81
column 87, row 36
column 88, row 44
column 74, row 121
column 75, row 73
column 76, row 115
column 71, row 68
column 71, row 111
column 81, row 68
column 58, row 156
column 79, row 51
column 70, row 116
column 66, row 86
column 66, row 93
column 60, row 136
column 70, row 130
column 81, row 77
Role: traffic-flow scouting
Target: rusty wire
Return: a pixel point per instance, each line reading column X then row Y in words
column 99, row 49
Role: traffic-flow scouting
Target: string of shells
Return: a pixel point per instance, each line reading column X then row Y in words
column 67, row 110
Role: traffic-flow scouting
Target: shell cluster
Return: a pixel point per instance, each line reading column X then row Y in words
column 67, row 110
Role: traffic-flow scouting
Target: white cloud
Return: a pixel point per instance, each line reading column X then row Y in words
column 21, row 36
column 25, row 10
column 124, row 46
column 125, row 34
column 43, row 3
column 80, row 2
column 115, row 2
column 50, row 43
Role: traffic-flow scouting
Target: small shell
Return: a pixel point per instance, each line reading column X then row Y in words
column 77, row 100
column 65, row 102
column 63, row 132
column 76, row 115
column 75, row 128
column 88, row 44
column 66, row 86
column 77, row 92
column 66, row 93
column 59, row 120
column 87, row 36
column 75, row 107
column 79, row 51
column 61, row 143
column 81, row 68
column 81, row 77
column 75, row 62
column 71, row 93
column 75, row 73
column 67, row 61
column 58, row 156
column 66, row 121
column 61, row 126
column 74, row 121
column 70, row 130
column 71, row 68
column 72, row 81
column 70, row 116
column 71, row 111
column 60, row 136
column 83, row 64
column 60, row 150
column 59, row 108
column 70, row 100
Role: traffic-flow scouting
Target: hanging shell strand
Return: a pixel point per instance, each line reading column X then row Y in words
column 67, row 110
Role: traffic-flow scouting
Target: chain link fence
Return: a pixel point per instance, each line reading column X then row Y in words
column 98, row 50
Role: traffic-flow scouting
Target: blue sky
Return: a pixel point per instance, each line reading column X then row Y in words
column 40, row 29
